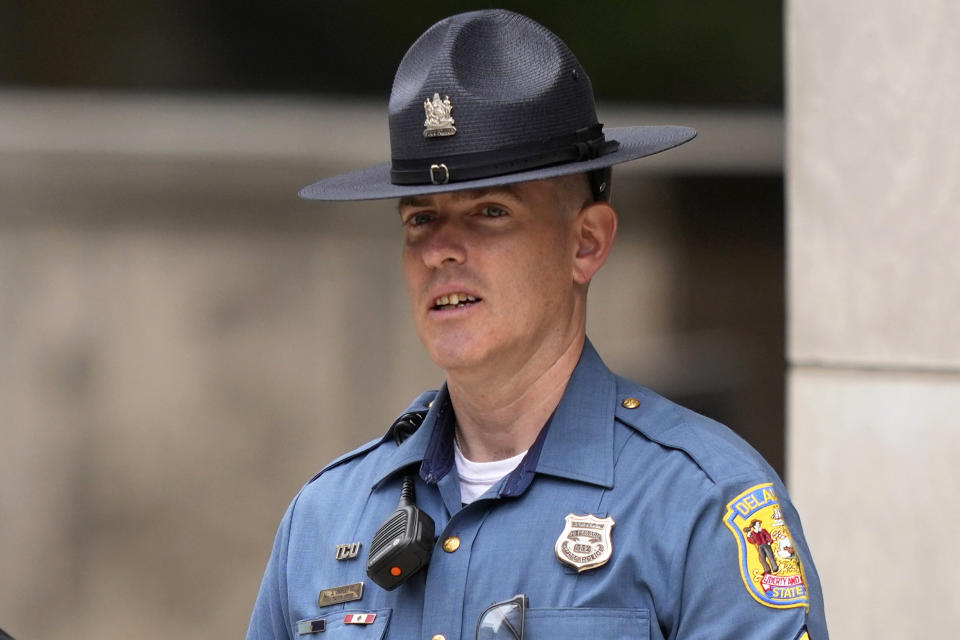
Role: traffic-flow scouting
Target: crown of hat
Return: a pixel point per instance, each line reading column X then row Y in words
column 489, row 98
column 510, row 82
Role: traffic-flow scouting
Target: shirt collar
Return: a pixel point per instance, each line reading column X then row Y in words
column 413, row 450
column 576, row 443
column 579, row 445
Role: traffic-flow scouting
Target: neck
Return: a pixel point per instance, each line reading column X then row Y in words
column 501, row 416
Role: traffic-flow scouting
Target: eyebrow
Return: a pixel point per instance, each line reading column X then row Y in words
column 466, row 194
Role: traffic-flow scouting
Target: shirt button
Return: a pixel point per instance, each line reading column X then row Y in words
column 630, row 403
column 439, row 636
column 450, row 545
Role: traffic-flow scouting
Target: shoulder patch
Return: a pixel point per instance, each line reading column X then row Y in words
column 769, row 562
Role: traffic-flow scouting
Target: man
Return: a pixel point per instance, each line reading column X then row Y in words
column 542, row 496
column 761, row 538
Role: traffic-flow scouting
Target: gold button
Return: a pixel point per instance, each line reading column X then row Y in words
column 630, row 403
column 451, row 544
column 439, row 636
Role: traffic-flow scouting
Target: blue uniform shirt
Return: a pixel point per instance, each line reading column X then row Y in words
column 671, row 527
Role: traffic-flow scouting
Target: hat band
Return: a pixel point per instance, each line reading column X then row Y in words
column 585, row 144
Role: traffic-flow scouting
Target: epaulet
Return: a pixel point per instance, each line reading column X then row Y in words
column 719, row 452
column 421, row 403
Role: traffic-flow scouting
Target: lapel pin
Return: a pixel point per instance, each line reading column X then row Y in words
column 311, row 626
column 348, row 551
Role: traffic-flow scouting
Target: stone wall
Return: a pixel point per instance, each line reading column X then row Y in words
column 874, row 307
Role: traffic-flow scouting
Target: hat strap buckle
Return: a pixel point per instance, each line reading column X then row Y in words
column 439, row 174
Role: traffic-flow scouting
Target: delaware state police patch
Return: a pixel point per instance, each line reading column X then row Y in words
column 769, row 562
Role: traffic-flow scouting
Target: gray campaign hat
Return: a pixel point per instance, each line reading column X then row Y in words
column 489, row 98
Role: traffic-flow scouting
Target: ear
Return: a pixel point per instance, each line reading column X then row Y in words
column 596, row 227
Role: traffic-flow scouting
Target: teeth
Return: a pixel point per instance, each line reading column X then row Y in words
column 454, row 299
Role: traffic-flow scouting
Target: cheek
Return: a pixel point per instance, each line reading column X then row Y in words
column 415, row 280
column 410, row 272
column 550, row 260
column 542, row 273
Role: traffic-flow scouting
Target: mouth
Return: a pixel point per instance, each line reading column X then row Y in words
column 454, row 301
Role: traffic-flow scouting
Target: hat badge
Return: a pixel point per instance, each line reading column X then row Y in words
column 439, row 122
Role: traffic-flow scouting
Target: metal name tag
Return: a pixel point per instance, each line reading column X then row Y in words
column 336, row 595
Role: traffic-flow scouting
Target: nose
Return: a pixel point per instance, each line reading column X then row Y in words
column 444, row 247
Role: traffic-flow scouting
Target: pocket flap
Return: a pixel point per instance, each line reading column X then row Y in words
column 580, row 623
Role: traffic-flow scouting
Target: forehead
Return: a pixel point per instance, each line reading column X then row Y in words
column 515, row 191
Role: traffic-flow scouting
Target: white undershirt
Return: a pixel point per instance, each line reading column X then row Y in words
column 477, row 477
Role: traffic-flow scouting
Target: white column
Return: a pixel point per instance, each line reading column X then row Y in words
column 873, row 166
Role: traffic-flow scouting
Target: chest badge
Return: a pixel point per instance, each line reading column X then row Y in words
column 585, row 542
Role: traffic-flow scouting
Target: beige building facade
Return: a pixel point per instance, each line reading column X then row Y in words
column 873, row 175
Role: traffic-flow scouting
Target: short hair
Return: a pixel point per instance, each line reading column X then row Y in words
column 600, row 183
column 580, row 189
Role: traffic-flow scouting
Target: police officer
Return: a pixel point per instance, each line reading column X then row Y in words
column 541, row 496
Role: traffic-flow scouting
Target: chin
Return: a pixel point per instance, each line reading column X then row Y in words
column 451, row 353
column 451, row 359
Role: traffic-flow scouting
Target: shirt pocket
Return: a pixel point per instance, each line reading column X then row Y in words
column 369, row 624
column 580, row 623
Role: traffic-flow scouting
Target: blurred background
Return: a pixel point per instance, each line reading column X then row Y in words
column 183, row 342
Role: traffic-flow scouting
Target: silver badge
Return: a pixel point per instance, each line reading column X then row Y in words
column 585, row 541
column 348, row 551
column 439, row 122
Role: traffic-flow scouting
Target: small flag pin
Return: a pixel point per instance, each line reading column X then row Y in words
column 360, row 618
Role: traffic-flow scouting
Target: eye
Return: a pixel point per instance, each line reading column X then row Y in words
column 417, row 219
column 493, row 211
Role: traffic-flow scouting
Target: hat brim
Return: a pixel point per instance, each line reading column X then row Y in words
column 373, row 183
